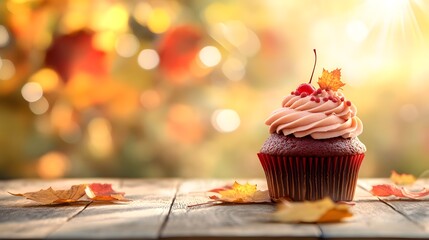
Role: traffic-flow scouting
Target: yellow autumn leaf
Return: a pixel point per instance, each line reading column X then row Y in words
column 402, row 179
column 324, row 210
column 331, row 80
column 239, row 193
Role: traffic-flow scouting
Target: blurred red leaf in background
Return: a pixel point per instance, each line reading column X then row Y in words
column 75, row 52
column 177, row 50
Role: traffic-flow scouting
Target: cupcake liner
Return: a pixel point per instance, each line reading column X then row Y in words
column 311, row 178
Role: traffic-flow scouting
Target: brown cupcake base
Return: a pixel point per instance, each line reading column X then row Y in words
column 311, row 178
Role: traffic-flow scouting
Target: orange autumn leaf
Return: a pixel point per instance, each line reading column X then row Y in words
column 103, row 192
column 336, row 215
column 239, row 193
column 324, row 210
column 51, row 196
column 402, row 179
column 331, row 80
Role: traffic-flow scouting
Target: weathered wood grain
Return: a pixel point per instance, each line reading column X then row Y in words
column 147, row 216
column 416, row 211
column 373, row 220
column 226, row 221
column 142, row 218
column 362, row 194
column 22, row 218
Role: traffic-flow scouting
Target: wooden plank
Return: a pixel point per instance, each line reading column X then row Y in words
column 146, row 216
column 22, row 218
column 142, row 218
column 362, row 194
column 250, row 221
column 373, row 220
column 416, row 211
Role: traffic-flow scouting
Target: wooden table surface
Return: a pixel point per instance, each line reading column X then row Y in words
column 160, row 210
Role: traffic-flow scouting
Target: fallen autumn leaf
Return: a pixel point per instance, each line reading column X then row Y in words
column 319, row 211
column 239, row 193
column 103, row 192
column 51, row 196
column 386, row 190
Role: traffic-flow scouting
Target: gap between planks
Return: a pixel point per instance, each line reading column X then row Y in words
column 373, row 219
column 164, row 223
column 70, row 218
column 364, row 186
column 142, row 218
column 394, row 204
column 120, row 184
column 40, row 220
column 241, row 221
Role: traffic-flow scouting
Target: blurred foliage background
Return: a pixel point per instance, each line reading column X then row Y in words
column 171, row 88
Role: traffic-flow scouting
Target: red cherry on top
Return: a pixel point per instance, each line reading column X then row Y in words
column 305, row 88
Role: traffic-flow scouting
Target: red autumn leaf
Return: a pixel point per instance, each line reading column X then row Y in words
column 103, row 192
column 75, row 52
column 386, row 190
column 51, row 196
column 177, row 50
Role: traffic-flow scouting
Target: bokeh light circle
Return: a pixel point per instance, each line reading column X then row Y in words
column 32, row 91
column 210, row 56
column 148, row 59
column 225, row 120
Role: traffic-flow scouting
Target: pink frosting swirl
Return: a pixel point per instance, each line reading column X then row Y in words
column 325, row 118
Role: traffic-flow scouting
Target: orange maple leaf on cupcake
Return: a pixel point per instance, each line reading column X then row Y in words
column 331, row 80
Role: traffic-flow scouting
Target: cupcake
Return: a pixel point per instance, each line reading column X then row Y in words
column 313, row 150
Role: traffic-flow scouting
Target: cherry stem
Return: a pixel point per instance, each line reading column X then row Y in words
column 314, row 67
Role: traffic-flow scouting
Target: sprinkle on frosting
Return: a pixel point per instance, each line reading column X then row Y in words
column 323, row 114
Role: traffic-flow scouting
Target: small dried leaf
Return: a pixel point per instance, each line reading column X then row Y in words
column 386, row 190
column 402, row 179
column 324, row 210
column 331, row 80
column 103, row 192
column 239, row 193
column 51, row 196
